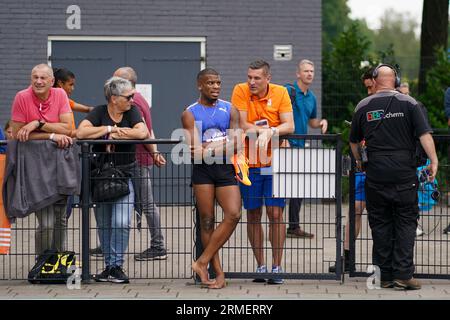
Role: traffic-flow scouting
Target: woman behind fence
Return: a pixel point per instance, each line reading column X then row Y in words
column 116, row 120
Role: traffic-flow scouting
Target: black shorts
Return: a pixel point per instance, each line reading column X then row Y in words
column 220, row 175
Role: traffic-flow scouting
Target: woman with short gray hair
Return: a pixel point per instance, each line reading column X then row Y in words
column 115, row 86
column 118, row 119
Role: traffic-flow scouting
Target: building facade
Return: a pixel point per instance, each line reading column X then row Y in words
column 166, row 41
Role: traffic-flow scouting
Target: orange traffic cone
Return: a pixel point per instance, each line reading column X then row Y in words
column 5, row 225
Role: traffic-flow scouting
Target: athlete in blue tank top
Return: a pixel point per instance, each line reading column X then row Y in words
column 211, row 121
column 206, row 123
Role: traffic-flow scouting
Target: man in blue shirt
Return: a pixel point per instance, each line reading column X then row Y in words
column 304, row 104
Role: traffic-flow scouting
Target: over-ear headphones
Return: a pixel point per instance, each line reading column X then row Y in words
column 397, row 77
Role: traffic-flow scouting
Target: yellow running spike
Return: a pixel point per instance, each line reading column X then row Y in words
column 240, row 163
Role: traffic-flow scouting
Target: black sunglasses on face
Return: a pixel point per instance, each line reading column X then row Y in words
column 131, row 96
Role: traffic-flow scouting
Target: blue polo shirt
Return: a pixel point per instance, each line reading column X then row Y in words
column 305, row 108
column 2, row 137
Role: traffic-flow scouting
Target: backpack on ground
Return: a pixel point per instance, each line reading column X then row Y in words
column 52, row 267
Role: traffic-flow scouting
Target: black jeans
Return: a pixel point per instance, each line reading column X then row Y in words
column 295, row 205
column 393, row 212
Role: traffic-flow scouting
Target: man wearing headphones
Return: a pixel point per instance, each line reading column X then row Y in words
column 390, row 122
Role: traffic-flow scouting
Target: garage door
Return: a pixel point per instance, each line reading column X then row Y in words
column 169, row 66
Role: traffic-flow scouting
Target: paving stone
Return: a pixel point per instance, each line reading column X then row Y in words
column 344, row 290
column 236, row 289
column 320, row 296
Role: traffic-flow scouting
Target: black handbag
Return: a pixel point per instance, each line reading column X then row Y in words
column 109, row 182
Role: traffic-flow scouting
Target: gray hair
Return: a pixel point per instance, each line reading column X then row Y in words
column 127, row 73
column 304, row 61
column 115, row 86
column 45, row 67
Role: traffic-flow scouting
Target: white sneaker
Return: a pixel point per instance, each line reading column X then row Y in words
column 419, row 232
column 260, row 269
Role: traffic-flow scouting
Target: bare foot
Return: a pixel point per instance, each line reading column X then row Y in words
column 202, row 272
column 220, row 282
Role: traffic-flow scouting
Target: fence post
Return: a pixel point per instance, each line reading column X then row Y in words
column 338, row 189
column 85, row 225
column 352, row 216
column 198, row 240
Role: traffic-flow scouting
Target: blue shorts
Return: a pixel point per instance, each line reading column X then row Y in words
column 360, row 180
column 260, row 189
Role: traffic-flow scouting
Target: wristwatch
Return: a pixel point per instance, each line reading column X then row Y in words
column 41, row 124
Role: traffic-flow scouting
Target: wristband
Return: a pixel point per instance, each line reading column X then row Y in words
column 109, row 128
column 52, row 136
column 274, row 130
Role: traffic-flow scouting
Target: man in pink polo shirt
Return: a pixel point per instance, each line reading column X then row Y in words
column 41, row 112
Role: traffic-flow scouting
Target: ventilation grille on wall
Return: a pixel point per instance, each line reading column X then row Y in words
column 282, row 52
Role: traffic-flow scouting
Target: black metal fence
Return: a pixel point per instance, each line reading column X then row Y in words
column 22, row 255
column 302, row 258
column 166, row 215
column 312, row 173
column 170, row 188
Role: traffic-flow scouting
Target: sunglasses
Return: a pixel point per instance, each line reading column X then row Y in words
column 131, row 96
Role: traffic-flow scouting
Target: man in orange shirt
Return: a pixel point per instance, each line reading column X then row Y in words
column 265, row 111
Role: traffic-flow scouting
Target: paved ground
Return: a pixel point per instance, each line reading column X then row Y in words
column 300, row 256
column 237, row 289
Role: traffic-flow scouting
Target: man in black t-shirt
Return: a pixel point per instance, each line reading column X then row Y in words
column 390, row 122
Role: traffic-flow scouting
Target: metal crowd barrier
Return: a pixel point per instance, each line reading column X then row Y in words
column 302, row 258
column 314, row 174
column 172, row 196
